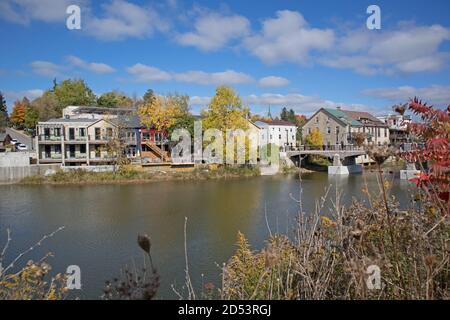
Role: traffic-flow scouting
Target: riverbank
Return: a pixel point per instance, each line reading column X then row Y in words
column 132, row 175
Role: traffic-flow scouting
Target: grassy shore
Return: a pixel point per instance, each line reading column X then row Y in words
column 130, row 174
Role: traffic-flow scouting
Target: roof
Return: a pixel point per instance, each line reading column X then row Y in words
column 102, row 110
column 3, row 136
column 69, row 120
column 132, row 121
column 276, row 123
column 343, row 116
column 365, row 116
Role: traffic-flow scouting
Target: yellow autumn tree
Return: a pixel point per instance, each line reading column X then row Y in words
column 18, row 113
column 226, row 112
column 159, row 113
column 315, row 138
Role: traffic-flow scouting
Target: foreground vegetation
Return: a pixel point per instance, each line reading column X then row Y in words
column 129, row 174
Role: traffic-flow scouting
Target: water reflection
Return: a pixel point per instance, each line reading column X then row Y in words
column 102, row 222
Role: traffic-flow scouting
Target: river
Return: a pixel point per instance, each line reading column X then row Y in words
column 102, row 222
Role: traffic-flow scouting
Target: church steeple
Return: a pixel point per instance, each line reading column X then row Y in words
column 269, row 114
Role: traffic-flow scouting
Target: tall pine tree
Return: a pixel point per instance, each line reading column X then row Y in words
column 3, row 112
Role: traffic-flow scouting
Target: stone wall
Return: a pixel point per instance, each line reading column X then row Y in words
column 17, row 173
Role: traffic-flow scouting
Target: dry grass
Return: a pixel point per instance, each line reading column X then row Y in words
column 330, row 255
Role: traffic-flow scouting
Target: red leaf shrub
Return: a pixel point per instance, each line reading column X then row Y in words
column 434, row 131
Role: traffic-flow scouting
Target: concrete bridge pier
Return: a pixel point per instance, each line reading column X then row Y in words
column 410, row 172
column 339, row 169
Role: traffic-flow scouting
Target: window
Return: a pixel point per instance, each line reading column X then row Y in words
column 83, row 148
column 328, row 130
column 385, row 132
column 71, row 134
column 82, row 132
column 293, row 137
column 97, row 133
column 109, row 132
column 57, row 148
column 378, row 132
column 270, row 137
column 48, row 151
column 291, row 129
column 317, row 119
column 309, row 130
column 57, row 132
column 279, row 137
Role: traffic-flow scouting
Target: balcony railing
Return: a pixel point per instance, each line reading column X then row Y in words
column 79, row 156
column 43, row 137
column 100, row 138
column 77, row 138
column 57, row 156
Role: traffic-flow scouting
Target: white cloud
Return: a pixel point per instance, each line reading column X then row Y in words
column 95, row 67
column 46, row 69
column 213, row 31
column 407, row 49
column 272, row 81
column 288, row 38
column 52, row 70
column 144, row 73
column 24, row 11
column 122, row 19
column 17, row 95
column 199, row 101
column 438, row 95
column 228, row 77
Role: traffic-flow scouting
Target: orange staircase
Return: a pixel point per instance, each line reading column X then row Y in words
column 158, row 151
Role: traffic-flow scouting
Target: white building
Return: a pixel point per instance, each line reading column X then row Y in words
column 278, row 132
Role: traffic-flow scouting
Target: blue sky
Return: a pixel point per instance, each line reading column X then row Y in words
column 299, row 54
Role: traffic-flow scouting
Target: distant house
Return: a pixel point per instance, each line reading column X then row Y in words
column 338, row 127
column 398, row 125
column 278, row 132
column 5, row 140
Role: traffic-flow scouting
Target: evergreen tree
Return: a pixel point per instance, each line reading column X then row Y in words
column 3, row 112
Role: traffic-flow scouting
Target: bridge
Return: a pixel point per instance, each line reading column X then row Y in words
column 344, row 157
column 328, row 151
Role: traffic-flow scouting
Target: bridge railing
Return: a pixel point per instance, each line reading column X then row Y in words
column 331, row 148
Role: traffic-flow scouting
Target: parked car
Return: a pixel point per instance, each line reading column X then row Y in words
column 14, row 141
column 21, row 147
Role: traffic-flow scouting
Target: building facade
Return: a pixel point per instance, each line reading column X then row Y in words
column 278, row 132
column 338, row 127
column 398, row 125
column 88, row 136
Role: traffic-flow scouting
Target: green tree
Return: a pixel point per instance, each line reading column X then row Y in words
column 73, row 92
column 47, row 106
column 31, row 117
column 3, row 112
column 149, row 96
column 114, row 99
column 183, row 118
